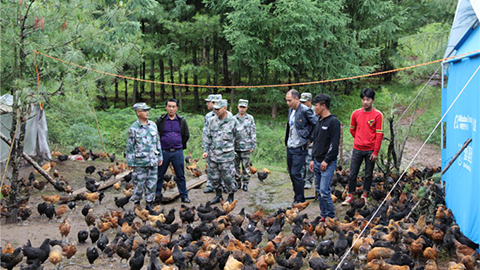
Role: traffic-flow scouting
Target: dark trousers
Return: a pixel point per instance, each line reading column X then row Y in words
column 176, row 158
column 357, row 158
column 295, row 163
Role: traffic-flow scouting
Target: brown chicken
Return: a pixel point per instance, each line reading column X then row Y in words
column 301, row 206
column 470, row 262
column 320, row 230
column 253, row 170
column 127, row 229
column 90, row 218
column 160, row 217
column 122, row 167
column 53, row 199
column 64, row 228
column 171, row 184
column 462, row 250
column 228, row 207
column 291, row 214
column 430, row 253
column 332, row 224
column 104, row 226
column 261, row 264
column 55, row 256
column 265, row 170
column 6, row 190
column 141, row 213
column 233, row 264
column 379, row 253
column 128, row 192
column 91, row 197
column 375, row 264
column 61, row 210
column 456, row 266
column 8, row 249
column 70, row 250
column 257, row 216
column 196, row 172
column 113, row 168
column 417, row 247
column 117, row 186
column 40, row 185
column 164, row 253
column 431, row 265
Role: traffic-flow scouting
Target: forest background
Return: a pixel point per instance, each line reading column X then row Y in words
column 220, row 42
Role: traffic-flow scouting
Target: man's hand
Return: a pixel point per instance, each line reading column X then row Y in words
column 310, row 166
column 204, row 155
column 323, row 166
column 373, row 157
column 160, row 163
column 251, row 150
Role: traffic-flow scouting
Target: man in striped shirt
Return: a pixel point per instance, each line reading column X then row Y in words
column 366, row 127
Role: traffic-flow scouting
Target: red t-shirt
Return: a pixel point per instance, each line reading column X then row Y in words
column 367, row 130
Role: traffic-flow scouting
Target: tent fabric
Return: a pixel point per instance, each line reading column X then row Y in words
column 462, row 184
column 36, row 137
column 466, row 19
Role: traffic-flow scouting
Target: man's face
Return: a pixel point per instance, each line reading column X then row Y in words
column 171, row 108
column 221, row 112
column 318, row 108
column 367, row 103
column 242, row 110
column 143, row 114
column 308, row 103
column 210, row 105
column 291, row 101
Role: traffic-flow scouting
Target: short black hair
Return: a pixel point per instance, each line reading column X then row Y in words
column 323, row 99
column 171, row 100
column 294, row 93
column 367, row 92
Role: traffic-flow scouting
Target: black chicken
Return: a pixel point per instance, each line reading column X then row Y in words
column 82, row 236
column 85, row 209
column 90, row 169
column 102, row 242
column 120, row 203
column 62, row 157
column 178, row 258
column 50, row 211
column 136, row 262
column 262, row 175
column 92, row 255
column 325, row 248
column 10, row 260
column 112, row 157
column 94, row 234
column 91, row 184
column 341, row 244
column 41, row 253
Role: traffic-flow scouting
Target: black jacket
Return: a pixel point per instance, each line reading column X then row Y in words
column 305, row 120
column 326, row 139
column 183, row 128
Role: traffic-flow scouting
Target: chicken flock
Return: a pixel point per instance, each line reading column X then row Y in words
column 206, row 236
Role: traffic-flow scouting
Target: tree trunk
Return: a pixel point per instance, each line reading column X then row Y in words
column 116, row 91
column 126, row 92
column 215, row 63
column 196, row 101
column 162, row 79
column 225, row 65
column 152, row 78
column 207, row 60
column 135, row 85
column 232, row 92
column 142, row 73
column 170, row 62
column 185, row 79
column 180, row 92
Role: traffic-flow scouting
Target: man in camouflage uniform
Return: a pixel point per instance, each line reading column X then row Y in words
column 245, row 145
column 219, row 146
column 211, row 99
column 144, row 155
column 307, row 175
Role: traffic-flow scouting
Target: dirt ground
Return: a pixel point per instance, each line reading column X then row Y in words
column 275, row 192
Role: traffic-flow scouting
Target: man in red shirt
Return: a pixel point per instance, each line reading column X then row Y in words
column 366, row 127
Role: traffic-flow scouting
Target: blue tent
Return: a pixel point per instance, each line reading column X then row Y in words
column 462, row 89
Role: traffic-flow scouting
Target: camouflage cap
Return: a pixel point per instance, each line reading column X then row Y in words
column 221, row 103
column 304, row 97
column 243, row 103
column 213, row 97
column 140, row 106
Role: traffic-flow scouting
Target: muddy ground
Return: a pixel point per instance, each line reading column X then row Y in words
column 275, row 192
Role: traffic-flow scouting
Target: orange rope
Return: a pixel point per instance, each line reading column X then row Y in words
column 38, row 77
column 256, row 86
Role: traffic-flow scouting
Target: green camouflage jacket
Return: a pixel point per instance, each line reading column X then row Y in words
column 143, row 145
column 220, row 137
column 248, row 132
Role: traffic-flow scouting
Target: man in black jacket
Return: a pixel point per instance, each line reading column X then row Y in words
column 174, row 134
column 326, row 138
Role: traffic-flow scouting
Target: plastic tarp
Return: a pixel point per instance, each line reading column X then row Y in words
column 466, row 19
column 36, row 137
column 462, row 180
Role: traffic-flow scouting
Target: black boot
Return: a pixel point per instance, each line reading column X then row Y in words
column 218, row 197
column 230, row 197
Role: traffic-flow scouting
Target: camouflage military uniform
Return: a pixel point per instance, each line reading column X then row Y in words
column 307, row 175
column 143, row 153
column 208, row 117
column 242, row 148
column 219, row 143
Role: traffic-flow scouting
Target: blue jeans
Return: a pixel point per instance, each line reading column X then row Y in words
column 176, row 158
column 295, row 163
column 355, row 162
column 323, row 188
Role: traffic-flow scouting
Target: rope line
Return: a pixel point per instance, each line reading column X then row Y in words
column 404, row 171
column 254, row 86
column 411, row 103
